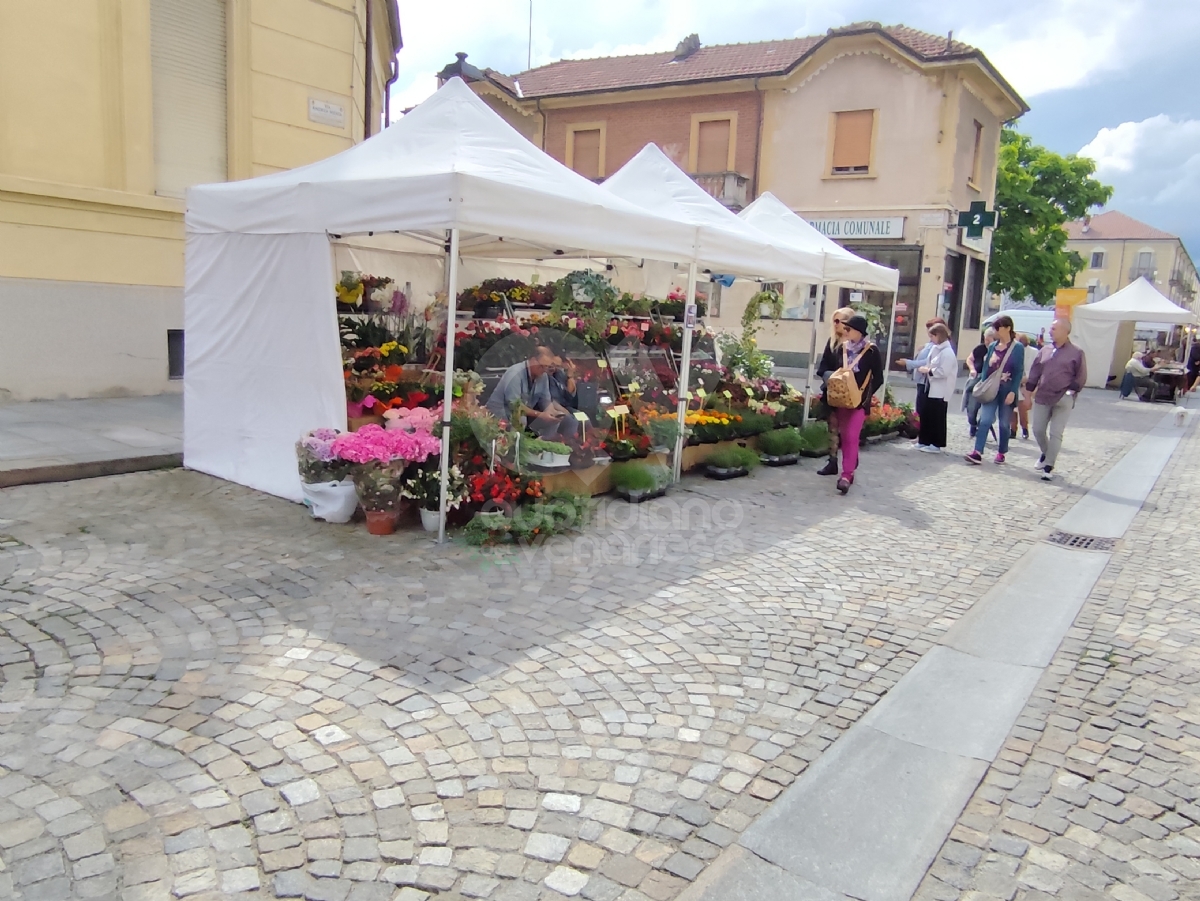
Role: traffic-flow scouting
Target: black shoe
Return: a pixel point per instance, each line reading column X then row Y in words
column 1025, row 434
column 973, row 432
column 1012, row 433
column 1046, row 473
column 829, row 469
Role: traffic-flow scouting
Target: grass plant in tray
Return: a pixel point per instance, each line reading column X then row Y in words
column 637, row 481
column 780, row 447
column 731, row 462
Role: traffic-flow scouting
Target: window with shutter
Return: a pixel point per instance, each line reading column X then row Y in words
column 585, row 155
column 187, row 58
column 1097, row 259
column 712, row 152
column 852, row 142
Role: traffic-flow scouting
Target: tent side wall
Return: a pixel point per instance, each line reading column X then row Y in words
column 1097, row 339
column 262, row 359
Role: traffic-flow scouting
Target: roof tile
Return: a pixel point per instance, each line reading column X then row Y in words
column 1115, row 226
column 719, row 61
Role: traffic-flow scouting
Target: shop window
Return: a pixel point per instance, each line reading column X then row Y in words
column 187, row 77
column 712, row 154
column 852, row 136
column 585, row 150
column 977, row 158
column 1097, row 259
column 175, row 353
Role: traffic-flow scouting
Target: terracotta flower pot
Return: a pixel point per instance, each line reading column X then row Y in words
column 382, row 522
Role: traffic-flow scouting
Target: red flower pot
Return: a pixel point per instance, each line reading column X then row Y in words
column 382, row 522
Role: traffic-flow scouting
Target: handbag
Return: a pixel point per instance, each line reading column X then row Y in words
column 843, row 390
column 985, row 392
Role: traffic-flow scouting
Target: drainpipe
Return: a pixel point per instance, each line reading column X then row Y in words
column 542, row 113
column 387, row 93
column 369, row 72
column 758, row 146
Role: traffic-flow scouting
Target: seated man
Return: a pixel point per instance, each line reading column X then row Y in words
column 1137, row 375
column 523, row 394
column 564, row 392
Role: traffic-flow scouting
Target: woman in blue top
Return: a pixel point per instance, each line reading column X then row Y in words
column 1008, row 356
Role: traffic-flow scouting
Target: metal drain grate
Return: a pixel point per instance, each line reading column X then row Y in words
column 1081, row 542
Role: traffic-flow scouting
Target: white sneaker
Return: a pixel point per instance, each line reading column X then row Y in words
column 930, row 449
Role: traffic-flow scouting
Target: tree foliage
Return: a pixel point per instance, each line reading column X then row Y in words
column 1037, row 192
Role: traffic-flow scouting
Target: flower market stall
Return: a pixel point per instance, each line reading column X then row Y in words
column 450, row 180
column 655, row 183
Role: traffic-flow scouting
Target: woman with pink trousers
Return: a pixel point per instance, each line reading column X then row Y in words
column 865, row 362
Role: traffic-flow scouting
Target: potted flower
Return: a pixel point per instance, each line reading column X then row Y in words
column 731, row 463
column 380, row 457
column 325, row 479
column 423, row 486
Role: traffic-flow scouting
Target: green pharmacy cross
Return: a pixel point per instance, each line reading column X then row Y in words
column 977, row 219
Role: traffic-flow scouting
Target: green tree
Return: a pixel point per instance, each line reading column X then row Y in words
column 1037, row 192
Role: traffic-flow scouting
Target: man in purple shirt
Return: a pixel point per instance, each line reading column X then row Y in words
column 1056, row 377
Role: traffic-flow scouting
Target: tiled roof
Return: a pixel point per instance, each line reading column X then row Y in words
column 714, row 63
column 1115, row 226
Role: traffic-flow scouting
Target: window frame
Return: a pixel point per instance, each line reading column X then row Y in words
column 975, row 178
column 1097, row 253
column 575, row 127
column 831, row 142
column 694, row 140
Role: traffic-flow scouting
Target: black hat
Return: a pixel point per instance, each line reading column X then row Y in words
column 858, row 323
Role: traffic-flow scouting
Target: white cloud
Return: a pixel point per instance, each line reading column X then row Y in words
column 1154, row 165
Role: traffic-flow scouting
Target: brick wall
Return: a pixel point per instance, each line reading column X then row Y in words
column 667, row 123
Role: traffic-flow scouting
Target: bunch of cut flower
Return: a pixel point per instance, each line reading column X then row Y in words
column 423, row 486
column 317, row 460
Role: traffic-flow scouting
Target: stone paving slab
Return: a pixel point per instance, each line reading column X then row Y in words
column 221, row 694
column 1094, row 795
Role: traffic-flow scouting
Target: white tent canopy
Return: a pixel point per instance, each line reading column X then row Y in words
column 1095, row 326
column 724, row 243
column 840, row 267
column 263, row 358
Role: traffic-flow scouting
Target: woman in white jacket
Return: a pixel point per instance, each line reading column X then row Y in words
column 941, row 368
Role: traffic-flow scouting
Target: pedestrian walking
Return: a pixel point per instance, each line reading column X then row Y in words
column 976, row 364
column 1056, row 377
column 831, row 361
column 997, row 390
column 1193, row 365
column 1024, row 401
column 941, row 373
column 913, row 367
column 861, row 362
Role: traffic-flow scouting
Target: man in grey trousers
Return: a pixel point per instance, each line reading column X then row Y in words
column 1056, row 377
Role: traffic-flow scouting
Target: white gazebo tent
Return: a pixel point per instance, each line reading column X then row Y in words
column 1096, row 327
column 840, row 267
column 724, row 243
column 262, row 356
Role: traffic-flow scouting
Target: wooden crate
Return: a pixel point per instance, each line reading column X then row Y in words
column 694, row 455
column 593, row 480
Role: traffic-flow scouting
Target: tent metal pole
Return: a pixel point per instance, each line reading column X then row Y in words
column 887, row 360
column 448, row 394
column 689, row 322
column 812, row 353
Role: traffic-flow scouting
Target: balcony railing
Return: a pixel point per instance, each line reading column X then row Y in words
column 728, row 187
column 1149, row 273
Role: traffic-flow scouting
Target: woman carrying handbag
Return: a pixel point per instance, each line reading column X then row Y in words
column 849, row 391
column 997, row 388
column 831, row 360
column 941, row 371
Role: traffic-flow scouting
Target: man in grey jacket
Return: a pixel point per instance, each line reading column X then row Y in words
column 1056, row 377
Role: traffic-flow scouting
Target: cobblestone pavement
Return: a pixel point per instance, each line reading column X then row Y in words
column 203, row 693
column 1097, row 791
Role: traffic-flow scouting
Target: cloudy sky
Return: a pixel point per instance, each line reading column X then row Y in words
column 1118, row 80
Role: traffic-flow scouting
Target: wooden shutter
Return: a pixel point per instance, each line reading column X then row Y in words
column 852, row 141
column 712, row 152
column 585, row 154
column 187, row 59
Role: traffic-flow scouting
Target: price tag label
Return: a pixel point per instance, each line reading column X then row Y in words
column 645, row 326
column 700, row 392
column 602, row 364
column 573, row 324
column 612, row 329
column 619, row 410
column 728, row 394
column 689, row 395
column 581, row 416
column 634, row 386
column 749, row 393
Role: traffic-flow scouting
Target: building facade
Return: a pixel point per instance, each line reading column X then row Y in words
column 1118, row 249
column 877, row 135
column 97, row 150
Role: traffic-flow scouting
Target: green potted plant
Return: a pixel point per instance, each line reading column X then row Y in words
column 636, row 481
column 780, row 447
column 731, row 463
column 548, row 454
